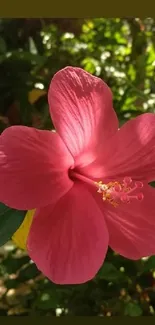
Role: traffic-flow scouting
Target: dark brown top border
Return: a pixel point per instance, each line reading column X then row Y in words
column 76, row 9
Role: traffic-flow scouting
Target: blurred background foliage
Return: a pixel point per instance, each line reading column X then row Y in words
column 122, row 52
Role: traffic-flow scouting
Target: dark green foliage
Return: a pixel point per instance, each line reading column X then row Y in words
column 10, row 220
column 121, row 287
column 122, row 52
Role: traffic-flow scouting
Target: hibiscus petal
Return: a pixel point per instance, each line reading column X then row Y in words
column 130, row 152
column 68, row 241
column 82, row 112
column 132, row 226
column 33, row 167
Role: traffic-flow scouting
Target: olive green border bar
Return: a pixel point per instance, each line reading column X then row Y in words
column 75, row 320
column 76, row 9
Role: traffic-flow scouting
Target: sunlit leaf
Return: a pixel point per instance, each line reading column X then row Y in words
column 20, row 236
column 133, row 309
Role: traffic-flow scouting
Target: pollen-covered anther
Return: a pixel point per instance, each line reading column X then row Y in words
column 120, row 192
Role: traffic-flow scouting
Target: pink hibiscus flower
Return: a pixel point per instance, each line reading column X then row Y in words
column 88, row 180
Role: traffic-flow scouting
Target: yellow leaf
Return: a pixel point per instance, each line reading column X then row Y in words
column 35, row 94
column 20, row 236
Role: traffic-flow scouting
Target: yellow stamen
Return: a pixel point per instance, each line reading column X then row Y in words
column 119, row 192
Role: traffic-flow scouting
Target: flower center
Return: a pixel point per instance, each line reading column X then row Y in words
column 115, row 192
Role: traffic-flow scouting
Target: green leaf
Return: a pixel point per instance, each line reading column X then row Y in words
column 149, row 264
column 30, row 271
column 2, row 45
column 10, row 220
column 13, row 264
column 109, row 272
column 48, row 300
column 132, row 309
